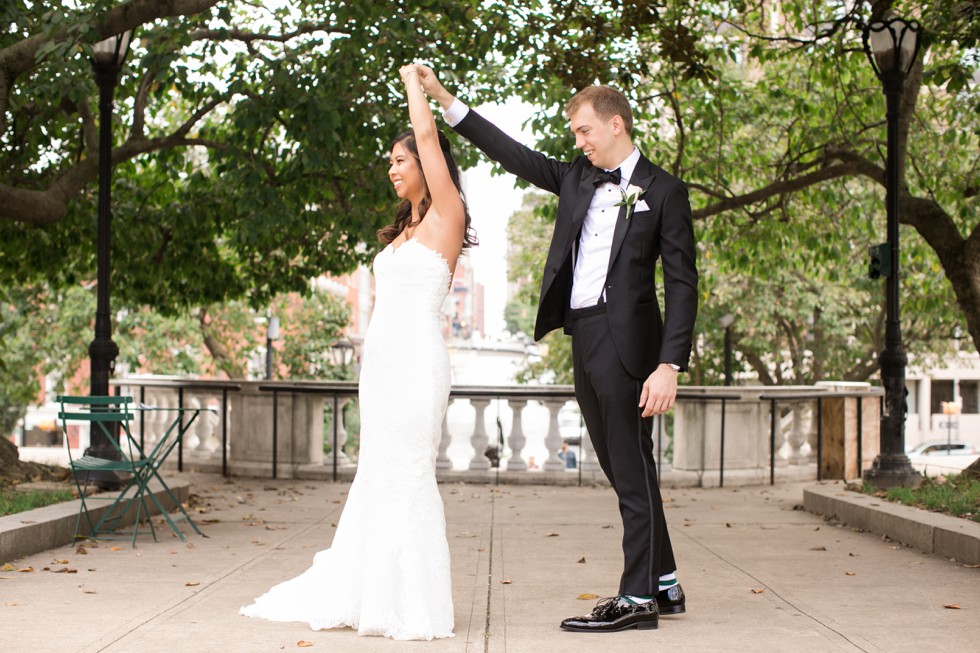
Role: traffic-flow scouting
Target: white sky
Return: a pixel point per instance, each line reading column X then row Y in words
column 492, row 200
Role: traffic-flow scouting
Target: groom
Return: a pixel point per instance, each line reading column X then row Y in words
column 617, row 214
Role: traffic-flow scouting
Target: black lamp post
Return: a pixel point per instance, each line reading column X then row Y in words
column 107, row 61
column 892, row 45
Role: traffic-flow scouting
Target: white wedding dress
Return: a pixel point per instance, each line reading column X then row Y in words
column 387, row 570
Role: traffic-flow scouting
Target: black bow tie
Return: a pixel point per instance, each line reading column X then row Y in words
column 600, row 177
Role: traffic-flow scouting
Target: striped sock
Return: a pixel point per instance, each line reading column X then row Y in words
column 668, row 581
column 638, row 600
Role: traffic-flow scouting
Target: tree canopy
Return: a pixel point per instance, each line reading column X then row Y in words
column 772, row 115
column 250, row 141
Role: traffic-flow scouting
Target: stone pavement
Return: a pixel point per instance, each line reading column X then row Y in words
column 760, row 575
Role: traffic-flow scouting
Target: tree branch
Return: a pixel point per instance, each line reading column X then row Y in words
column 249, row 37
column 139, row 105
column 49, row 206
column 775, row 188
column 20, row 57
column 90, row 134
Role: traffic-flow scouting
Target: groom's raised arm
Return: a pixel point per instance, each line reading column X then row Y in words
column 544, row 172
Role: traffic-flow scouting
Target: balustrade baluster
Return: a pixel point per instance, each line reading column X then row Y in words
column 442, row 459
column 553, row 440
column 517, row 440
column 796, row 435
column 479, row 440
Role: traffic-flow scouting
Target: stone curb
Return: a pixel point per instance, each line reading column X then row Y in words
column 950, row 537
column 33, row 531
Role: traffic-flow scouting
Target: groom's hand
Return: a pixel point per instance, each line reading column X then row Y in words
column 659, row 391
column 433, row 88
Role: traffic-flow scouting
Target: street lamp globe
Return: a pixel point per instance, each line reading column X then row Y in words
column 113, row 50
column 343, row 353
column 892, row 45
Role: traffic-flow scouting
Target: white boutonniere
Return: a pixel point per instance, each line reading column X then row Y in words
column 631, row 196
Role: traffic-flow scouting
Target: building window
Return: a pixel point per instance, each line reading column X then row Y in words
column 970, row 391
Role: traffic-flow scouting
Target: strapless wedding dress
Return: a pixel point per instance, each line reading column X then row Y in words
column 387, row 569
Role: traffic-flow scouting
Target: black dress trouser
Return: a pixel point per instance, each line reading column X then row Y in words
column 608, row 398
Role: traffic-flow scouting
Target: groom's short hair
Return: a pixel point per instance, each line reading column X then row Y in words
column 606, row 102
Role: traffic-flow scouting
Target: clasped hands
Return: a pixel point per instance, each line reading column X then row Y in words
column 425, row 75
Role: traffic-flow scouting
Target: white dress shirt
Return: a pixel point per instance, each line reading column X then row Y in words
column 595, row 240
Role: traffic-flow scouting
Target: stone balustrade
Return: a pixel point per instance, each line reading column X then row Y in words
column 511, row 433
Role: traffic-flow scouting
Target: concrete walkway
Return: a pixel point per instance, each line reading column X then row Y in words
column 760, row 575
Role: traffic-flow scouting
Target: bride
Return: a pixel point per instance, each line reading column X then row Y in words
column 387, row 570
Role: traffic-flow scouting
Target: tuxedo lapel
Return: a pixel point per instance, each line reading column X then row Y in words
column 583, row 199
column 643, row 175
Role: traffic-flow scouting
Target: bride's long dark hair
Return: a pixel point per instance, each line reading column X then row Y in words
column 403, row 215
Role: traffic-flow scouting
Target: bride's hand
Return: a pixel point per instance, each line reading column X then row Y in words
column 407, row 71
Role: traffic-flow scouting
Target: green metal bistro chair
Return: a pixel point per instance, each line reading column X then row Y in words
column 158, row 454
column 111, row 416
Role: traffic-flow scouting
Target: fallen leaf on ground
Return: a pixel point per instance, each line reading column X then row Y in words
column 851, row 573
column 115, row 548
column 61, row 562
column 26, row 570
column 192, row 583
column 506, row 582
column 8, row 567
column 304, row 644
column 582, row 561
column 465, row 534
column 586, row 597
column 81, row 550
column 952, row 606
column 552, row 535
column 819, row 548
column 10, row 604
column 66, row 570
column 757, row 591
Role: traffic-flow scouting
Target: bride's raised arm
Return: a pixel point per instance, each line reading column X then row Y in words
column 449, row 229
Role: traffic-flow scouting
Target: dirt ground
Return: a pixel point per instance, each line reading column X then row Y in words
column 14, row 471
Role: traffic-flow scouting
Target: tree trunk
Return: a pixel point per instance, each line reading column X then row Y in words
column 973, row 471
column 15, row 470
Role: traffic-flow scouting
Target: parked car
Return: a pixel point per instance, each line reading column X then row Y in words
column 943, row 447
column 937, row 457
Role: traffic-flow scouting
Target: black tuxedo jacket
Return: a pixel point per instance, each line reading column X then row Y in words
column 641, row 337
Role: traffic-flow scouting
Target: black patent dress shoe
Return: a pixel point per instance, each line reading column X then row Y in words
column 612, row 614
column 671, row 600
